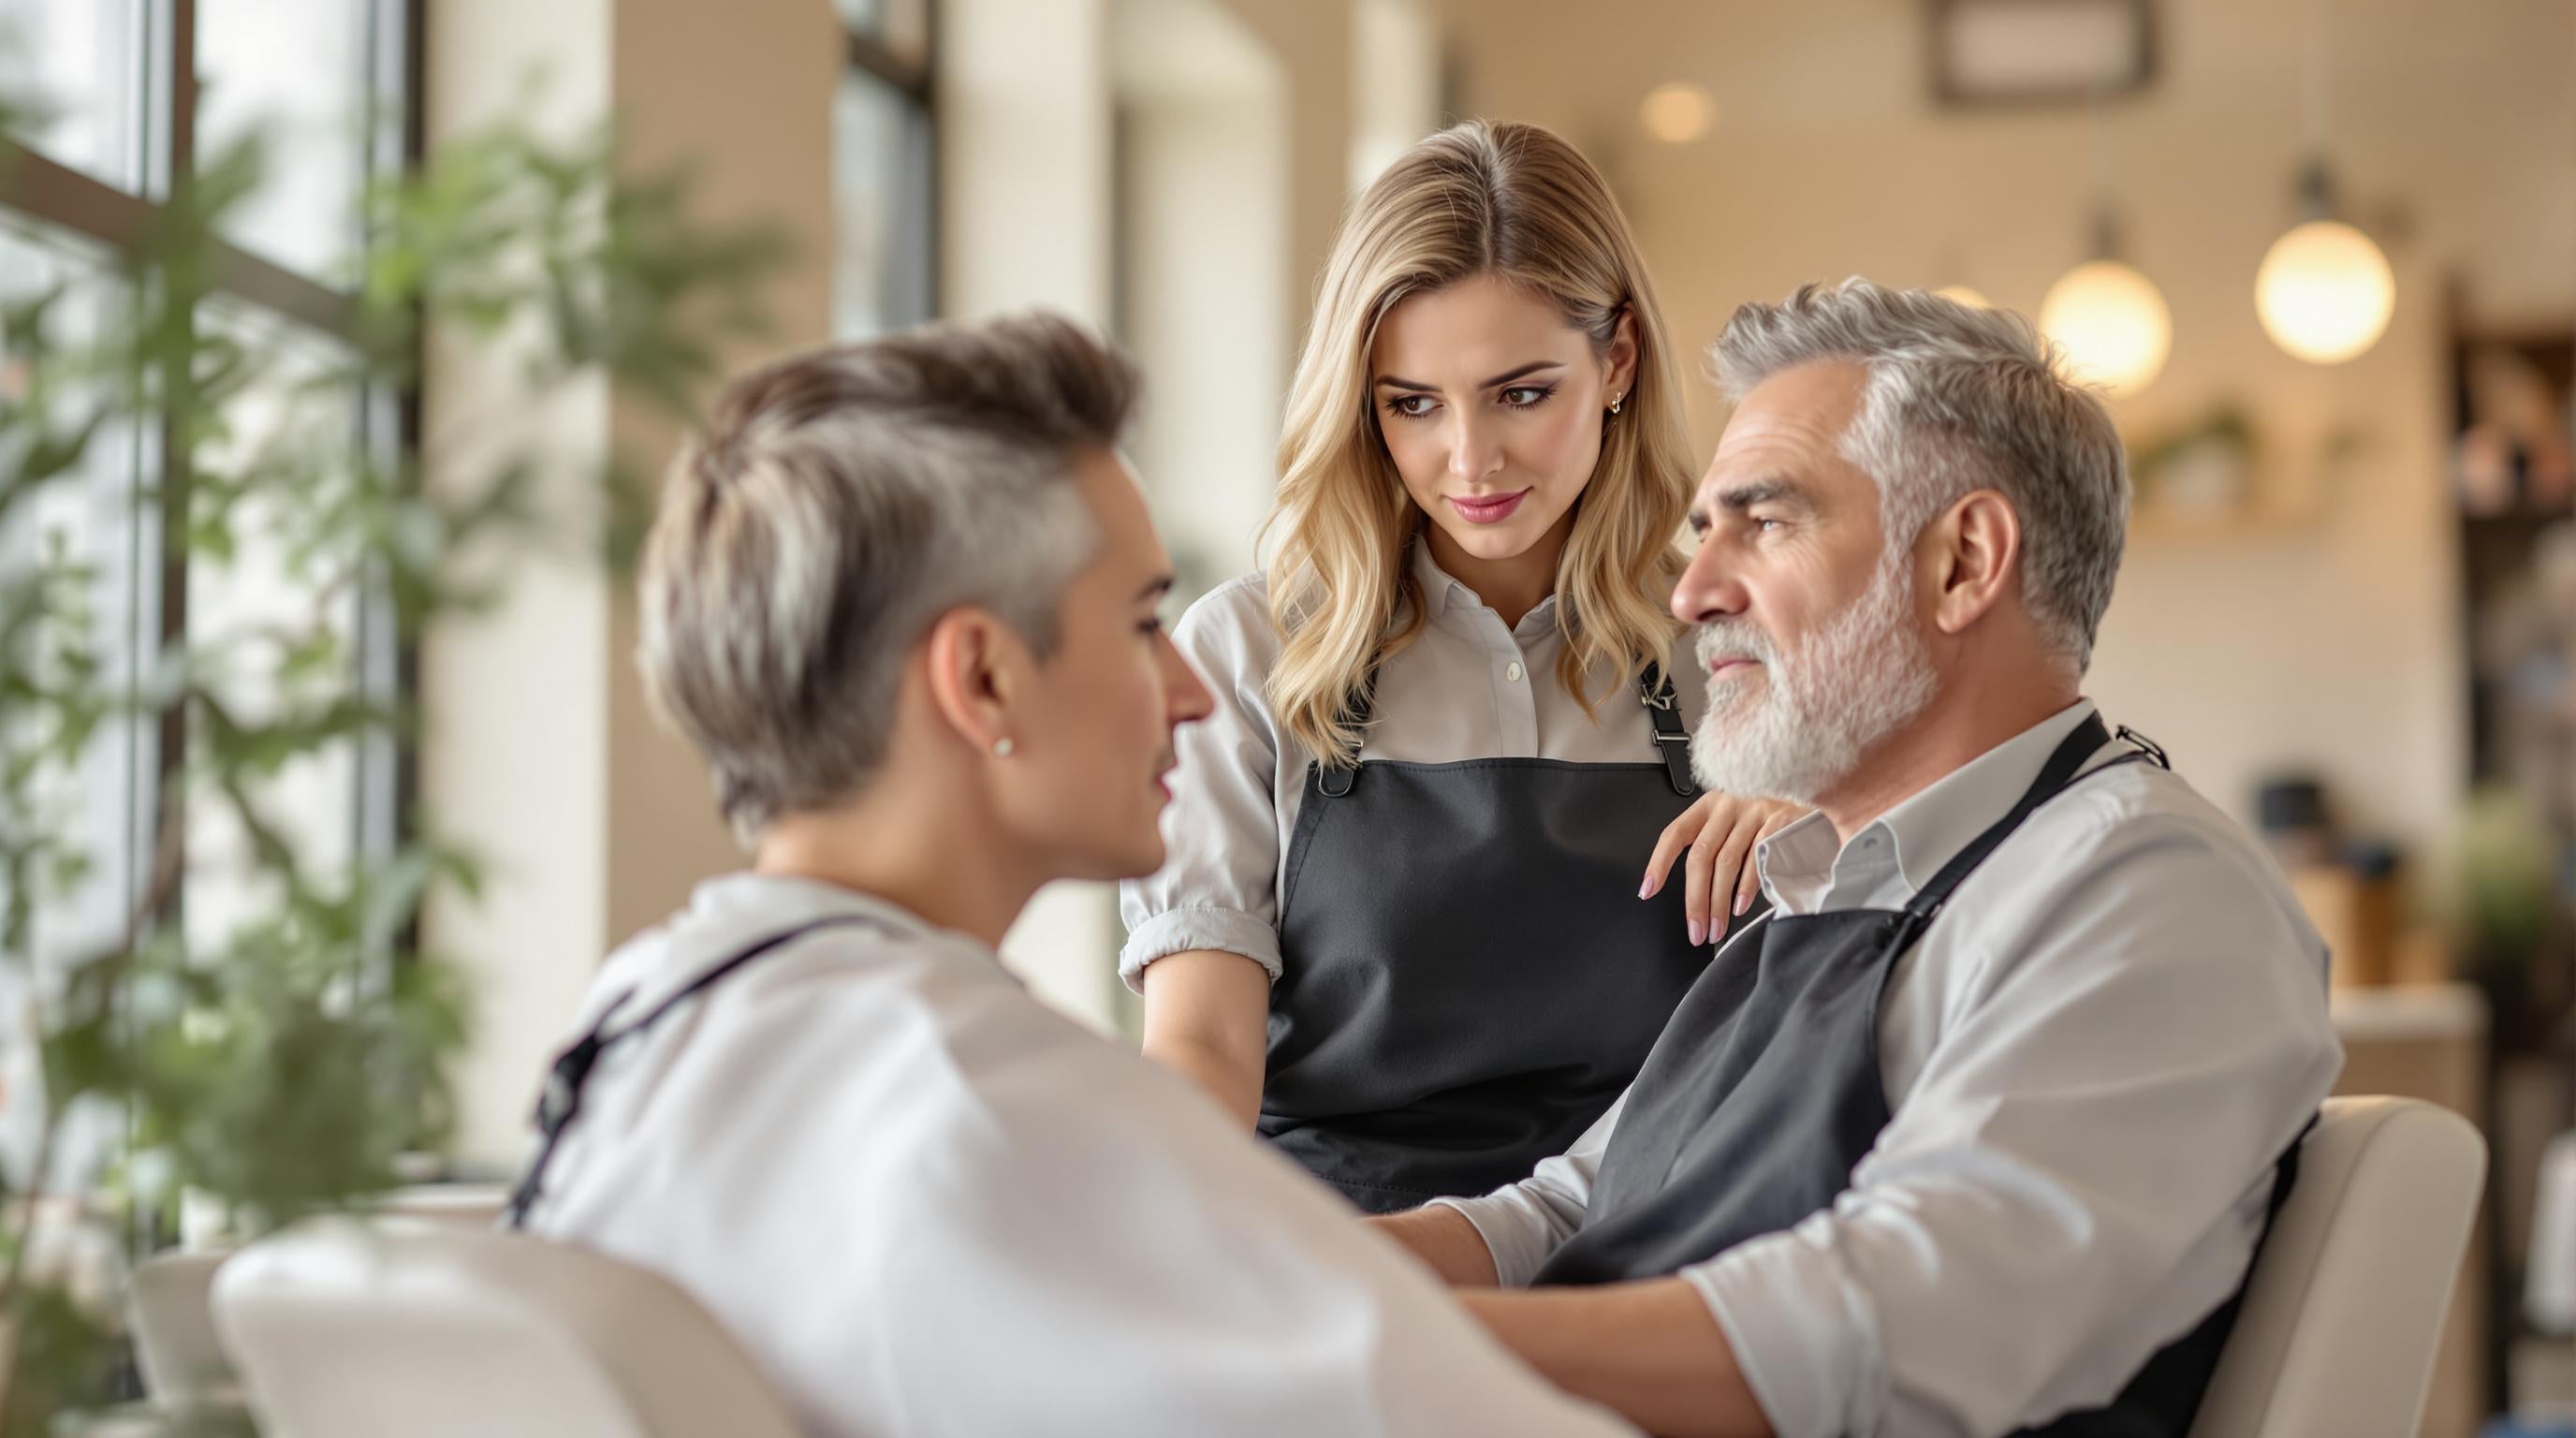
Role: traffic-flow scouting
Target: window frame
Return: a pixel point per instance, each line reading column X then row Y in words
column 916, row 82
column 916, row 78
column 41, row 189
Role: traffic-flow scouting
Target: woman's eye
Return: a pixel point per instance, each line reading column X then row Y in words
column 1410, row 406
column 1152, row 624
column 1522, row 396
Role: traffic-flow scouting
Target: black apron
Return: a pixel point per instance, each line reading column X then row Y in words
column 1765, row 1093
column 1469, row 976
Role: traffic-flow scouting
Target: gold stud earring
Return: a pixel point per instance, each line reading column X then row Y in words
column 1003, row 747
column 1614, row 402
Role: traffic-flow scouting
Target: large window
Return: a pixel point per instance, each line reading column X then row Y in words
column 883, row 170
column 133, row 99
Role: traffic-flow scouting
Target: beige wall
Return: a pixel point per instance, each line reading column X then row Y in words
column 1024, row 162
column 1395, row 83
column 1203, row 218
column 2334, row 641
column 538, row 752
column 512, row 758
column 1311, row 40
column 741, row 95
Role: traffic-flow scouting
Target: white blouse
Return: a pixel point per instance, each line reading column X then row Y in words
column 1467, row 687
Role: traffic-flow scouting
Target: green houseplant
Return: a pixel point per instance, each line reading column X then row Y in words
column 276, row 1059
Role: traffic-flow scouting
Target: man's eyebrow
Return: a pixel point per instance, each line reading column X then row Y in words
column 1737, row 498
column 1741, row 497
column 1391, row 382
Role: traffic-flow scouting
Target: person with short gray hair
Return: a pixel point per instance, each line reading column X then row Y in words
column 1958, row 398
column 835, row 503
column 1977, row 1129
column 904, row 599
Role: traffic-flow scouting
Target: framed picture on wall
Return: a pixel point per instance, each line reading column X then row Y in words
column 2038, row 52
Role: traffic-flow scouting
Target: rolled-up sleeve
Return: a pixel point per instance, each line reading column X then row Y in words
column 1218, row 887
column 2077, row 1177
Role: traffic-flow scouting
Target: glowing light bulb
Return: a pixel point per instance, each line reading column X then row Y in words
column 1678, row 112
column 2325, row 292
column 2112, row 322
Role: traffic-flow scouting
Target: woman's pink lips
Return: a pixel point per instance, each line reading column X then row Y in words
column 1493, row 510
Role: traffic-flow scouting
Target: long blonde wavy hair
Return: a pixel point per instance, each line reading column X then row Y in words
column 1483, row 198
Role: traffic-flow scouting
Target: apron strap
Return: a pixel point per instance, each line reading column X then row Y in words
column 1654, row 690
column 560, row 1102
column 1357, row 708
column 2061, row 770
column 1672, row 742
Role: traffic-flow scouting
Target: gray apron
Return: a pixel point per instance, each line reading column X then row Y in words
column 1469, row 976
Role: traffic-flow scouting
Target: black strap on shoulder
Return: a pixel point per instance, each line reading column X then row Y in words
column 1654, row 690
column 560, row 1102
column 1672, row 742
column 2285, row 1176
column 1357, row 708
column 2061, row 770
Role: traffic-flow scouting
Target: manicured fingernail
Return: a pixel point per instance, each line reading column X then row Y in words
column 1699, row 931
column 1742, row 903
column 1647, row 887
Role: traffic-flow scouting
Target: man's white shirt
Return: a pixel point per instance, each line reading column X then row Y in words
column 928, row 1205
column 2092, row 1060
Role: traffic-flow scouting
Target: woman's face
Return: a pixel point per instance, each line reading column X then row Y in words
column 1492, row 407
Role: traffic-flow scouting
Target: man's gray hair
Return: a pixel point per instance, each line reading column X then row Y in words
column 839, row 502
column 1958, row 399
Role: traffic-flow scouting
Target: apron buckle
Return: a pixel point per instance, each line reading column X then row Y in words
column 564, row 1082
column 2144, row 745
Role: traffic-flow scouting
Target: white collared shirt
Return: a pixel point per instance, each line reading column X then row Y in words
column 926, row 1204
column 1467, row 687
column 2092, row 1060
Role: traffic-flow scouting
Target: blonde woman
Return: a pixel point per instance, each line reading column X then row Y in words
column 1415, row 926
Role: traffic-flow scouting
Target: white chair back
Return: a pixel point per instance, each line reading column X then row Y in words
column 409, row 1330
column 169, row 1308
column 2347, row 1300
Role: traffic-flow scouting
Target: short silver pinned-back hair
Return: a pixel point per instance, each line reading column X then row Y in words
column 838, row 502
column 1959, row 399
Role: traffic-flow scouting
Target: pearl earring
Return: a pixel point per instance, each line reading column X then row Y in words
column 1003, row 747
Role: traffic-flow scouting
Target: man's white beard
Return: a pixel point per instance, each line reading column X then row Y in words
column 1863, row 674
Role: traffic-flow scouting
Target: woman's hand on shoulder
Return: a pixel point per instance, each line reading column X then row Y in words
column 1714, row 841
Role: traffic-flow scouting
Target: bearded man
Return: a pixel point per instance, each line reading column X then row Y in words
column 1979, row 1128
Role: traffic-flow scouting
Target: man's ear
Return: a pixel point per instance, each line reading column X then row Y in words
column 1972, row 552
column 1623, row 354
column 978, row 668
